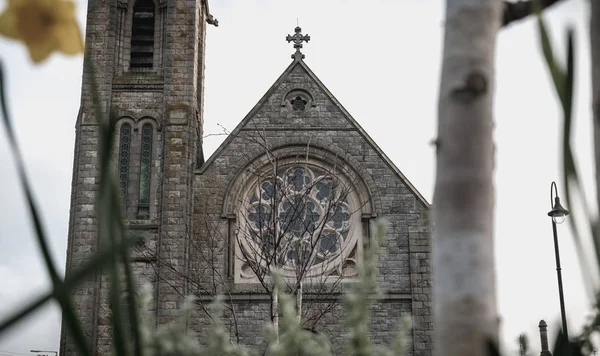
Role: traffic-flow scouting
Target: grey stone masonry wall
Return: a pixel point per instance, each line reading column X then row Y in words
column 190, row 221
column 251, row 318
column 168, row 96
column 82, row 238
column 326, row 132
column 422, row 284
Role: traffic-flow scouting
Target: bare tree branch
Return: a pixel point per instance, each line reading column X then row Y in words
column 282, row 230
column 515, row 11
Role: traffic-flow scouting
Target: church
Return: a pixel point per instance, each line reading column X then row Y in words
column 296, row 186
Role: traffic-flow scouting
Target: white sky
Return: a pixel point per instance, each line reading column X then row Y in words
column 382, row 62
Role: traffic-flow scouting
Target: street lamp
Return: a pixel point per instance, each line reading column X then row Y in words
column 558, row 214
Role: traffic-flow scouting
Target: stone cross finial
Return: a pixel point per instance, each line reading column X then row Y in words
column 298, row 38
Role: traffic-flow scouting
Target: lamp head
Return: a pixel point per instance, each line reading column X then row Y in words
column 558, row 213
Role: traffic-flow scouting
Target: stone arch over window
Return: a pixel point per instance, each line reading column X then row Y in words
column 305, row 216
column 300, row 151
column 141, row 32
column 298, row 100
column 137, row 163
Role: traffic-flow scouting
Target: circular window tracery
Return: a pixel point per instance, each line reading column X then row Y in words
column 298, row 100
column 298, row 103
column 300, row 220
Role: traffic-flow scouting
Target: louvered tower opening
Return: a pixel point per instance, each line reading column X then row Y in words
column 142, row 34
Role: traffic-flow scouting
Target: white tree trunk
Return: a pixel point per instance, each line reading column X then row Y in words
column 299, row 301
column 595, row 49
column 275, row 311
column 463, row 204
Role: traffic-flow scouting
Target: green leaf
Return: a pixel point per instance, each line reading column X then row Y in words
column 555, row 71
column 563, row 84
column 112, row 232
column 94, row 264
column 25, row 311
column 63, row 298
column 110, row 226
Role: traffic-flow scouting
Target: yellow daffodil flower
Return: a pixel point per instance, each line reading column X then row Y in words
column 44, row 26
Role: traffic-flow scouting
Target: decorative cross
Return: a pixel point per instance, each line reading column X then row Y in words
column 298, row 38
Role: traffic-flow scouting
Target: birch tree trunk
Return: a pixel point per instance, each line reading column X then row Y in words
column 595, row 49
column 299, row 301
column 463, row 204
column 275, row 311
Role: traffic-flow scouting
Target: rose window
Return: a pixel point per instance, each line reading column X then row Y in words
column 299, row 221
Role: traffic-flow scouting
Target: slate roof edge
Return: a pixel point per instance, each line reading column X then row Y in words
column 368, row 138
column 247, row 118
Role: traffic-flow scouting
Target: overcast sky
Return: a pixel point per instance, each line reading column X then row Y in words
column 381, row 59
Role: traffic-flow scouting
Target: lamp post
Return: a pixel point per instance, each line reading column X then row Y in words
column 558, row 214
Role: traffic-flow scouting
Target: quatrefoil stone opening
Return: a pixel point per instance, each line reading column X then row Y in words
column 298, row 103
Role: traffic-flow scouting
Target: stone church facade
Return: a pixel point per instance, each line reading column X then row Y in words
column 297, row 185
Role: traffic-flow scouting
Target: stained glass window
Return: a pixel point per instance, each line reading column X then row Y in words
column 145, row 165
column 300, row 218
column 124, row 153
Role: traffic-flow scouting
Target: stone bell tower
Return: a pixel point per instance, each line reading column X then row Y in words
column 148, row 60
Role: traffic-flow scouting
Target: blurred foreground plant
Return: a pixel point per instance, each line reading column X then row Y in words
column 44, row 26
column 175, row 339
column 49, row 25
column 133, row 328
column 563, row 79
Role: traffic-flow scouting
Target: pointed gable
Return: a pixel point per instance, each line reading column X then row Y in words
column 299, row 130
column 318, row 110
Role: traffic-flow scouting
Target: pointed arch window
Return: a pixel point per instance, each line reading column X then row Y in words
column 145, row 165
column 124, row 157
column 142, row 34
